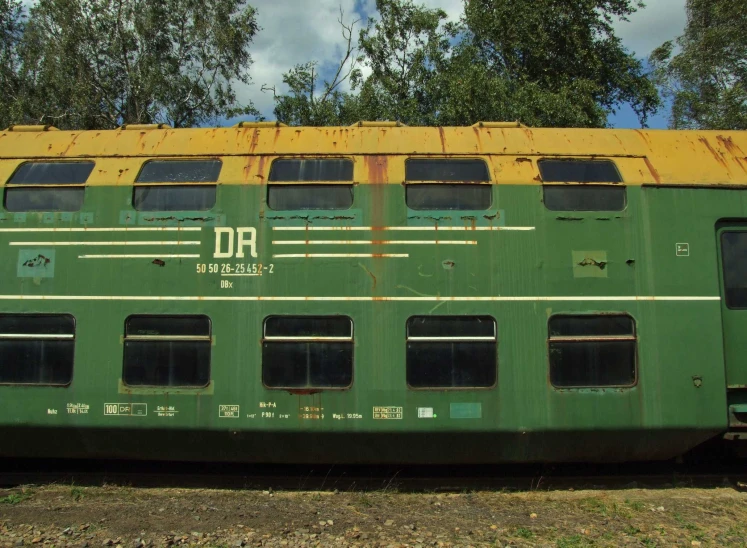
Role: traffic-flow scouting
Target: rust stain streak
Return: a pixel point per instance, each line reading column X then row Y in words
column 378, row 169
column 729, row 145
column 652, row 169
column 719, row 158
column 443, row 139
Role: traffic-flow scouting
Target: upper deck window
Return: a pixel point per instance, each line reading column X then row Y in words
column 314, row 196
column 467, row 194
column 590, row 194
column 167, row 351
column 37, row 348
column 47, row 186
column 158, row 186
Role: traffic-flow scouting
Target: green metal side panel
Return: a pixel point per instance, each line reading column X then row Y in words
column 538, row 264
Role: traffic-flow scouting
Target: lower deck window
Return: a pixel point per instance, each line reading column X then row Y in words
column 451, row 352
column 592, row 351
column 37, row 348
column 167, row 351
column 300, row 352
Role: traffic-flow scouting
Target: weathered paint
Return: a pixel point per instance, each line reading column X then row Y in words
column 520, row 270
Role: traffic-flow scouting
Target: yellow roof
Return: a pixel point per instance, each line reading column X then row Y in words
column 642, row 156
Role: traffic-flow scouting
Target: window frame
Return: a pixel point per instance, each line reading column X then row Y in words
column 620, row 184
column 350, row 184
column 41, row 337
column 309, row 339
column 137, row 185
column 494, row 339
column 593, row 338
column 168, row 338
column 10, row 185
column 488, row 182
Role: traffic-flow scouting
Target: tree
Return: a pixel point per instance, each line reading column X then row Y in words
column 544, row 62
column 405, row 50
column 548, row 62
column 12, row 22
column 102, row 63
column 706, row 80
column 306, row 104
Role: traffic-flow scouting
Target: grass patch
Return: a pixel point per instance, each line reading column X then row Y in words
column 572, row 541
column 595, row 506
column 523, row 533
column 14, row 498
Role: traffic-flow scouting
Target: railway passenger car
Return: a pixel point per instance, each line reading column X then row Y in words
column 373, row 293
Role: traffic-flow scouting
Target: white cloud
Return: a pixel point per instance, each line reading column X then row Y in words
column 659, row 21
column 293, row 32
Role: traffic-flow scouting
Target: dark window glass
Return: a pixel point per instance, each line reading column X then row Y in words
column 734, row 258
column 592, row 351
column 167, row 351
column 578, row 171
column 591, row 326
column 580, row 197
column 292, row 170
column 52, row 173
column 446, row 170
column 451, row 326
column 584, row 198
column 174, row 198
column 177, row 197
column 37, row 348
column 180, row 171
column 451, row 352
column 291, row 197
column 308, row 326
column 30, row 194
column 198, row 326
column 449, row 197
column 307, row 352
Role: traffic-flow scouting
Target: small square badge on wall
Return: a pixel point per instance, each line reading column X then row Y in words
column 682, row 250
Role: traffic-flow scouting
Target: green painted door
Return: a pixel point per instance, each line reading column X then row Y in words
column 732, row 245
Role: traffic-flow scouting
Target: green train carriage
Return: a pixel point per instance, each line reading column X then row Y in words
column 372, row 294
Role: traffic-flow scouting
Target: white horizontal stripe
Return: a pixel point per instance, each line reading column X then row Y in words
column 136, row 256
column 120, row 229
column 632, row 298
column 402, row 228
column 450, row 339
column 305, row 339
column 167, row 338
column 36, row 336
column 337, row 255
column 373, row 242
column 144, row 242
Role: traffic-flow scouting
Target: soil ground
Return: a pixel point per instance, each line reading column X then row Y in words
column 64, row 515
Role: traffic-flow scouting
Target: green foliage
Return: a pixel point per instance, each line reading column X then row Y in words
column 706, row 80
column 13, row 498
column 551, row 63
column 306, row 104
column 102, row 63
column 12, row 22
column 524, row 533
column 543, row 62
